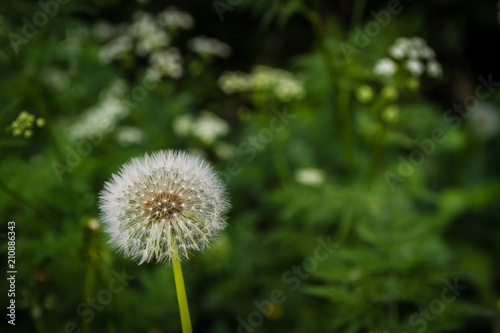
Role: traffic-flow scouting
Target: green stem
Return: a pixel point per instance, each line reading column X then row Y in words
column 347, row 135
column 181, row 292
column 40, row 326
column 357, row 12
column 89, row 288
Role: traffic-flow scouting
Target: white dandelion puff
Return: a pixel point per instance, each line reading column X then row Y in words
column 161, row 204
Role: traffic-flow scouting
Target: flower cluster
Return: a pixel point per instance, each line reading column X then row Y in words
column 414, row 55
column 163, row 205
column 152, row 37
column 280, row 83
column 102, row 117
column 167, row 63
column 209, row 46
column 207, row 128
column 24, row 123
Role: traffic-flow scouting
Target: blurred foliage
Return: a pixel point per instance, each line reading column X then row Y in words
column 318, row 137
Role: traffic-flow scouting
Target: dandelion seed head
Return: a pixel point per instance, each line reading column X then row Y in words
column 156, row 201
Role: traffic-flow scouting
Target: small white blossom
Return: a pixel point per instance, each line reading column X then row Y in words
column 127, row 136
column 173, row 18
column 115, row 48
column 102, row 117
column 232, row 82
column 209, row 127
column 289, row 89
column 485, row 119
column 56, row 78
column 282, row 84
column 168, row 63
column 182, row 125
column 210, row 46
column 150, row 36
column 225, row 150
column 434, row 69
column 385, row 67
column 310, row 176
column 415, row 67
column 163, row 205
column 419, row 56
column 397, row 51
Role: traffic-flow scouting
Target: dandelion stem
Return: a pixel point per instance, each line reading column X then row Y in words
column 89, row 288
column 181, row 292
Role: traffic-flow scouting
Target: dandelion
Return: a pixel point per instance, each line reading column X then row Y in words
column 161, row 207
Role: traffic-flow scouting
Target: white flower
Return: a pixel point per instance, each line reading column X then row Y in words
column 289, row 89
column 204, row 45
column 173, row 18
column 127, row 136
column 397, row 51
column 168, row 63
column 310, row 176
column 150, row 36
column 152, row 42
column 115, row 48
column 485, row 119
column 209, row 127
column 385, row 67
column 56, row 79
column 415, row 67
column 182, row 125
column 225, row 150
column 434, row 69
column 102, row 117
column 163, row 204
column 232, row 82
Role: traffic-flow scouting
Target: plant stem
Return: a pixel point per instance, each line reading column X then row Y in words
column 357, row 12
column 89, row 288
column 181, row 292
column 346, row 132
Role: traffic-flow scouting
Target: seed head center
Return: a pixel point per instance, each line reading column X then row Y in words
column 162, row 205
